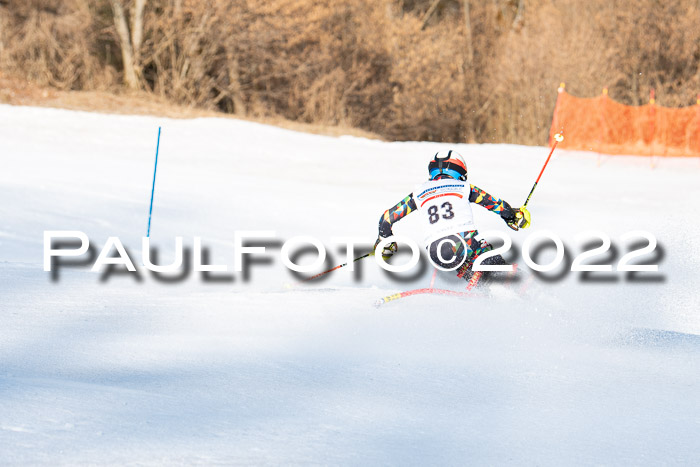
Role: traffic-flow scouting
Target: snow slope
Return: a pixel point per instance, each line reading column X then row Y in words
column 119, row 371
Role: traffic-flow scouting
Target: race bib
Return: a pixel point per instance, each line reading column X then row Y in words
column 444, row 208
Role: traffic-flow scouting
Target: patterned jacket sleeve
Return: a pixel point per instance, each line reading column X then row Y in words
column 398, row 212
column 480, row 197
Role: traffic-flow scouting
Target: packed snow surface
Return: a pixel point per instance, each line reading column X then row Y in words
column 111, row 367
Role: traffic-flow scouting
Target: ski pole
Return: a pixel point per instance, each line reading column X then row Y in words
column 558, row 138
column 338, row 267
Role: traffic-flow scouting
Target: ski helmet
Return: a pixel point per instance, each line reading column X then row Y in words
column 450, row 163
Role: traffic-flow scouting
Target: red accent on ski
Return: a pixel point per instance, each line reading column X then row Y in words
column 427, row 290
column 474, row 280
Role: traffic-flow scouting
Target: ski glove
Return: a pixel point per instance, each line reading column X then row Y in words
column 508, row 214
column 521, row 220
column 388, row 250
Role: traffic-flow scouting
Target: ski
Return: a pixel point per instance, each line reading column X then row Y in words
column 427, row 290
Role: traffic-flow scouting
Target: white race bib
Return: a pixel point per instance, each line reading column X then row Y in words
column 444, row 207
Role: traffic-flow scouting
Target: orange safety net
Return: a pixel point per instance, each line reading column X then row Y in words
column 602, row 125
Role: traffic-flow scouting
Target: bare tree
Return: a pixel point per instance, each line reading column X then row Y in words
column 137, row 30
column 469, row 76
column 130, row 43
column 428, row 14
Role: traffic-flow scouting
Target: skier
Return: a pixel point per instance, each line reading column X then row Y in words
column 444, row 203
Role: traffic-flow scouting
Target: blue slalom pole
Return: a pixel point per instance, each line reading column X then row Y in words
column 153, row 188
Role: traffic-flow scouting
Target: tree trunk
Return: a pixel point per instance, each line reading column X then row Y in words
column 127, row 42
column 137, row 31
column 468, row 32
column 429, row 13
column 518, row 14
column 239, row 107
column 469, row 77
column 2, row 44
